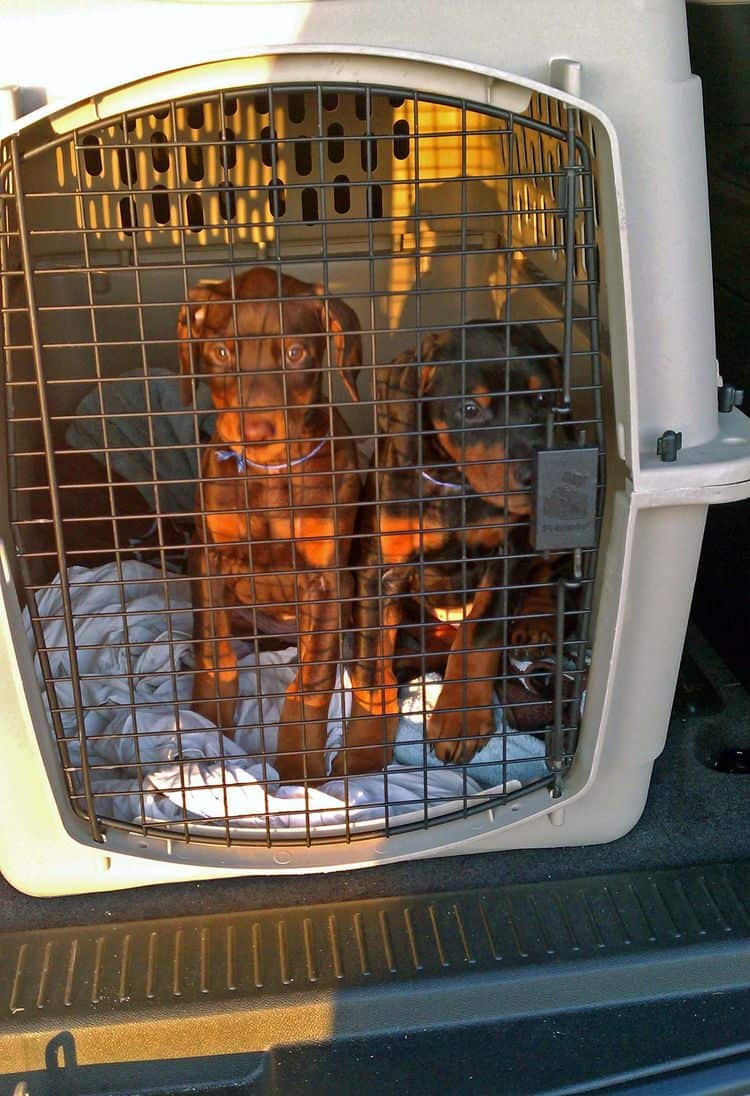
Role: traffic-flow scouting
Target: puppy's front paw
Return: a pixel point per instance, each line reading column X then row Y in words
column 301, row 741
column 369, row 734
column 458, row 733
column 534, row 637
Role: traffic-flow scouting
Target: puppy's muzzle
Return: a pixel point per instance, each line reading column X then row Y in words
column 257, row 428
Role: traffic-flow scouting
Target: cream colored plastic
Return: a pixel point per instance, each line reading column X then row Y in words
column 645, row 107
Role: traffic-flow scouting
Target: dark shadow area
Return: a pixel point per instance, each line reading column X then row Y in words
column 720, row 54
column 514, row 1058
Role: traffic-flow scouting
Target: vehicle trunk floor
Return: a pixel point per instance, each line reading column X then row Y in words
column 551, row 972
column 694, row 815
column 548, row 988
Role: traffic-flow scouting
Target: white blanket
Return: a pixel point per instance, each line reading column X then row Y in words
column 152, row 759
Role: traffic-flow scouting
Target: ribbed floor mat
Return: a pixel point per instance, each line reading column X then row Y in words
column 238, row 984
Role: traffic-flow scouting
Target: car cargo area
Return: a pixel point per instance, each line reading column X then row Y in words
column 595, row 966
column 609, row 960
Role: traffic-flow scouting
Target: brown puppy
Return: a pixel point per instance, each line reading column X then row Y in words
column 458, row 432
column 279, row 486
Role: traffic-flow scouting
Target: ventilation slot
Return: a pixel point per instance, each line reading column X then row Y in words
column 268, row 149
column 296, row 108
column 194, row 162
column 160, row 203
column 375, row 202
column 369, row 155
column 195, row 116
column 335, row 147
column 128, row 216
column 276, row 198
column 92, row 157
column 159, row 154
column 341, row 196
column 360, row 107
column 126, row 163
column 227, row 202
column 228, row 149
column 194, row 209
column 303, row 157
column 401, row 139
column 310, row 205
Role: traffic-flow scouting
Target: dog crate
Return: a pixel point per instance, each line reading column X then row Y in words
column 514, row 185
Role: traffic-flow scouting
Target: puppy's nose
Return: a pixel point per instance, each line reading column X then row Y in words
column 257, row 429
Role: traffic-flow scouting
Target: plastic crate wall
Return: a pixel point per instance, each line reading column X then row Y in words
column 607, row 59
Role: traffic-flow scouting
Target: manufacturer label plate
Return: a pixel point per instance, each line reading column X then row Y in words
column 565, row 499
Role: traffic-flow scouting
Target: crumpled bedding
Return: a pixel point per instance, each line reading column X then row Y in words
column 153, row 760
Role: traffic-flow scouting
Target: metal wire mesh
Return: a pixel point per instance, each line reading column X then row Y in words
column 296, row 550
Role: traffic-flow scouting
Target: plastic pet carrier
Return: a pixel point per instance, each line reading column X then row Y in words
column 360, row 421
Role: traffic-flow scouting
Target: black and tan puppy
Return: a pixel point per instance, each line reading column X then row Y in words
column 458, row 429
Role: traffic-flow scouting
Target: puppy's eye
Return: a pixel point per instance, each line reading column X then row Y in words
column 547, row 399
column 295, row 353
column 221, row 353
column 471, row 410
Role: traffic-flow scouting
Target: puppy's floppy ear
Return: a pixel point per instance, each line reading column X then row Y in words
column 529, row 336
column 436, row 346
column 341, row 321
column 396, row 395
column 190, row 323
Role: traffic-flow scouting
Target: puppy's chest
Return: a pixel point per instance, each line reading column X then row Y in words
column 267, row 523
column 255, row 540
